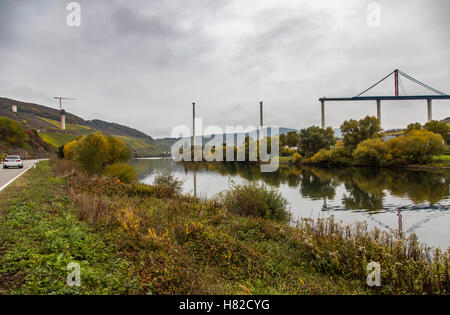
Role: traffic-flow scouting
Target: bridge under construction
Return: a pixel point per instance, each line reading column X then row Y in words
column 397, row 97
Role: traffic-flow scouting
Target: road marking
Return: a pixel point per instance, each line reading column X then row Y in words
column 12, row 180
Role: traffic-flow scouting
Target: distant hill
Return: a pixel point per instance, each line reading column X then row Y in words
column 46, row 121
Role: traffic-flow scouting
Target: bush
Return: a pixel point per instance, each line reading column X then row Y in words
column 166, row 185
column 123, row 172
column 255, row 200
column 297, row 158
column 417, row 146
column 13, row 133
column 69, row 150
column 322, row 157
column 95, row 152
column 341, row 156
column 371, row 152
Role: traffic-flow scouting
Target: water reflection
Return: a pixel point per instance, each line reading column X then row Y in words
column 393, row 199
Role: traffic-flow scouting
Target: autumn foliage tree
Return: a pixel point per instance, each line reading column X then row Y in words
column 95, row 152
column 314, row 139
column 355, row 132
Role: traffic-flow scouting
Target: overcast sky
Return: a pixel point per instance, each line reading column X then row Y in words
column 142, row 63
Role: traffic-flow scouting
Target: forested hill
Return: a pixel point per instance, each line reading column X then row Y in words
column 46, row 120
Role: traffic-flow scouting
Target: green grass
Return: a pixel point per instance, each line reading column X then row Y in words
column 57, row 139
column 71, row 127
column 441, row 161
column 133, row 239
column 40, row 234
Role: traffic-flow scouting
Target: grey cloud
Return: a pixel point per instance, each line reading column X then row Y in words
column 142, row 63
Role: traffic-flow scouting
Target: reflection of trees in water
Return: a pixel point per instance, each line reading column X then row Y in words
column 365, row 186
column 317, row 184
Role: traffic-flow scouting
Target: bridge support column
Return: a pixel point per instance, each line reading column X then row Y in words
column 430, row 109
column 379, row 110
column 322, row 106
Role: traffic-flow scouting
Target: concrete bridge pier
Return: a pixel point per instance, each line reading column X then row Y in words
column 322, row 103
column 430, row 109
column 379, row 111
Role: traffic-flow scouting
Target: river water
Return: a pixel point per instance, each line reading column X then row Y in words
column 411, row 200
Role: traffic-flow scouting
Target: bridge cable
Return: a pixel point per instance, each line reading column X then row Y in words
column 376, row 84
column 402, row 86
column 420, row 83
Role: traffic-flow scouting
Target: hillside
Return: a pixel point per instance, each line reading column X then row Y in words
column 46, row 121
column 14, row 139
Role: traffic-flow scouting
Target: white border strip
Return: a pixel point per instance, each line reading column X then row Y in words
column 12, row 180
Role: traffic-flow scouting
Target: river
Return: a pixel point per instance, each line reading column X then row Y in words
column 413, row 200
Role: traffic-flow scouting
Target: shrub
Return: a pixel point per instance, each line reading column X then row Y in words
column 166, row 185
column 256, row 200
column 322, row 157
column 13, row 133
column 297, row 158
column 341, row 155
column 286, row 151
column 371, row 152
column 69, row 150
column 417, row 146
column 123, row 172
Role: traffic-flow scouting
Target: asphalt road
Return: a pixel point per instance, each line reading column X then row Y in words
column 7, row 176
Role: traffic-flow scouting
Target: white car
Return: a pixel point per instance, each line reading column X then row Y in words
column 13, row 161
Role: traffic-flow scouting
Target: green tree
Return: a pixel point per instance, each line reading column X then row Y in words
column 92, row 153
column 439, row 127
column 283, row 140
column 118, row 150
column 355, row 132
column 313, row 139
column 414, row 126
column 292, row 139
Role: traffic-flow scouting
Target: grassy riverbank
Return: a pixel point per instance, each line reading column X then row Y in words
column 439, row 161
column 139, row 239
